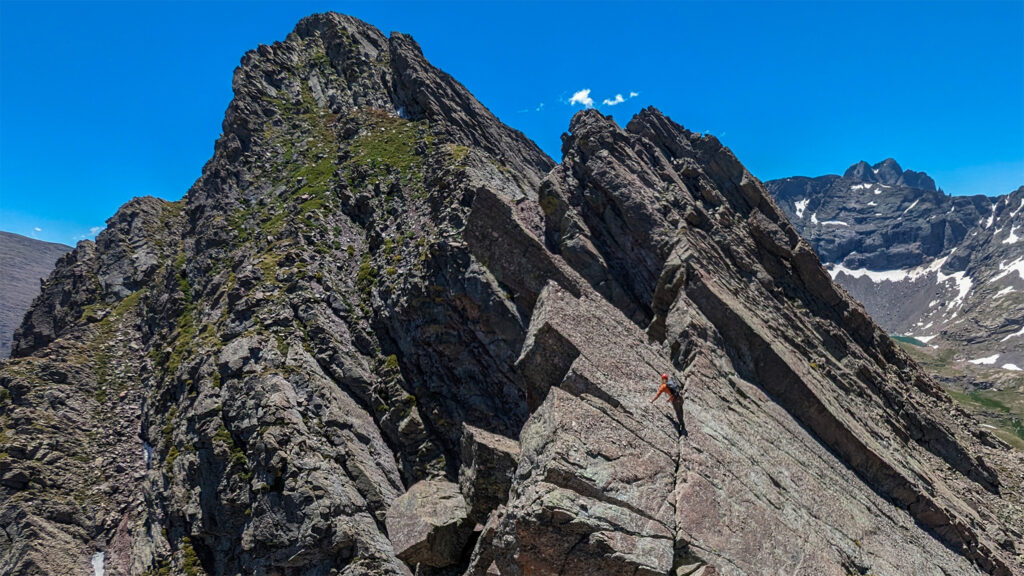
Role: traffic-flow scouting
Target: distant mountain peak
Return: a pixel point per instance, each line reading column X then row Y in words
column 889, row 173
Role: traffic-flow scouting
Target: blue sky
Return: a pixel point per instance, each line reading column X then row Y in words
column 103, row 101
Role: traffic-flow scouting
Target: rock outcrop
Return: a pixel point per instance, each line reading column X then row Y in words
column 429, row 524
column 384, row 333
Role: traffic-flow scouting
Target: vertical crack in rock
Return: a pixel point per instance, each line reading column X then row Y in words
column 384, row 333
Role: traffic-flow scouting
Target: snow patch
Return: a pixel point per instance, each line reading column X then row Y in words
column 963, row 286
column 899, row 275
column 801, row 205
column 877, row 192
column 1013, row 367
column 97, row 564
column 1012, row 238
column 872, row 203
column 1019, row 208
column 991, row 217
column 147, row 454
column 963, row 282
column 924, row 339
column 833, row 223
column 1004, row 292
column 987, row 360
column 814, row 218
column 1015, row 266
column 860, row 187
column 911, row 206
column 1014, row 335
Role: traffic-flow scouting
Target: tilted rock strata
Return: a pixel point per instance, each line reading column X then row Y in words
column 376, row 286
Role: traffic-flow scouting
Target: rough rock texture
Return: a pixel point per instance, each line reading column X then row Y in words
column 947, row 270
column 376, row 287
column 429, row 524
column 24, row 262
column 485, row 474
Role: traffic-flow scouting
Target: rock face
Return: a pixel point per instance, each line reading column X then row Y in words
column 947, row 270
column 25, row 262
column 382, row 320
column 429, row 524
column 485, row 474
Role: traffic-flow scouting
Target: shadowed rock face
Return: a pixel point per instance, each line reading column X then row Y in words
column 940, row 268
column 377, row 293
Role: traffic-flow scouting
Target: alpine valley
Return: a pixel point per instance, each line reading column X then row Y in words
column 385, row 334
column 943, row 273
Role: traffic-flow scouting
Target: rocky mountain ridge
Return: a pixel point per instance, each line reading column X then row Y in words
column 946, row 270
column 24, row 263
column 385, row 334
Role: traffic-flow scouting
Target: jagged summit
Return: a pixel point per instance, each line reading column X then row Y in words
column 888, row 172
column 385, row 334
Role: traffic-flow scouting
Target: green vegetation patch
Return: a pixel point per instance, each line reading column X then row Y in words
column 389, row 148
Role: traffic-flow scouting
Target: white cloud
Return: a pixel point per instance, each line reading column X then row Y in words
column 38, row 229
column 613, row 101
column 539, row 107
column 582, row 97
column 634, row 94
column 95, row 230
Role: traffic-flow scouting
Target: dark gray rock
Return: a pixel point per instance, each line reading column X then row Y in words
column 924, row 264
column 485, row 475
column 274, row 375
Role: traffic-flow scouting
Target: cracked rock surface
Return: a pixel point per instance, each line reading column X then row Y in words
column 385, row 334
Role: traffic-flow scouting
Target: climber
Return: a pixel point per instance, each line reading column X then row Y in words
column 675, row 396
column 670, row 387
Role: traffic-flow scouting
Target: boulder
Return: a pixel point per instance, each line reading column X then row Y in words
column 429, row 524
column 488, row 462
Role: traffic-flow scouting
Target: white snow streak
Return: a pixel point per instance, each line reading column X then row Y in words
column 860, row 187
column 925, row 339
column 801, row 205
column 872, row 203
column 814, row 218
column 833, row 223
column 988, row 360
column 97, row 564
column 963, row 282
column 1004, row 292
column 1019, row 208
column 991, row 217
column 1015, row 266
column 1014, row 335
column 963, row 286
column 1013, row 367
column 1012, row 237
column 877, row 276
column 912, row 205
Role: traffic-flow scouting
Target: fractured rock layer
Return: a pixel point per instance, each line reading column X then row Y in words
column 384, row 333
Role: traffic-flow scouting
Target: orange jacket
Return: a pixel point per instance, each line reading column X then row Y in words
column 664, row 390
